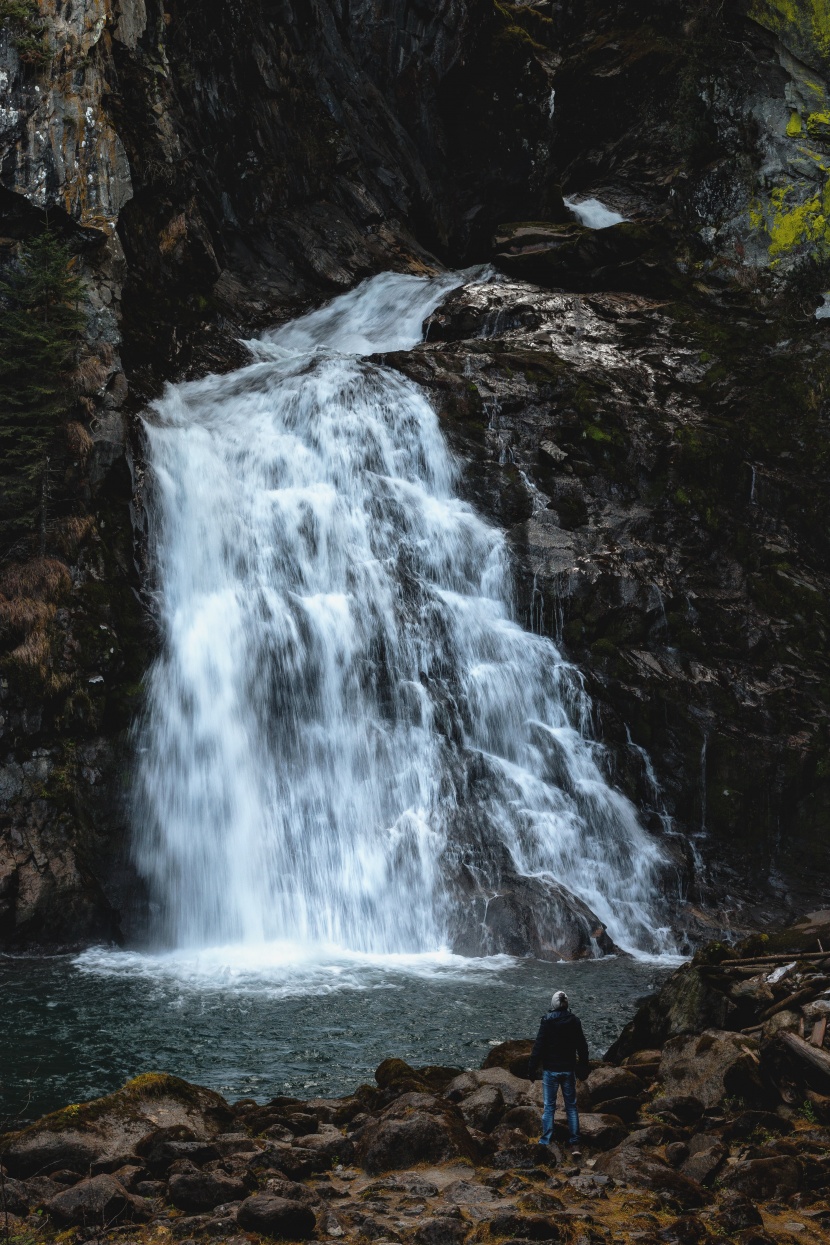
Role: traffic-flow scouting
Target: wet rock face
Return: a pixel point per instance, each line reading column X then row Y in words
column 627, row 444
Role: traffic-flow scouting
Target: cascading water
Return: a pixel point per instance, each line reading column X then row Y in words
column 344, row 715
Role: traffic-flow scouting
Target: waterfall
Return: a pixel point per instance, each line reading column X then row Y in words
column 345, row 713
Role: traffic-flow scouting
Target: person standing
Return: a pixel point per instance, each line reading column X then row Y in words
column 562, row 1051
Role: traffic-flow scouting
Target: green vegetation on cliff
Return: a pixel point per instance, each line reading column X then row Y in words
column 40, row 326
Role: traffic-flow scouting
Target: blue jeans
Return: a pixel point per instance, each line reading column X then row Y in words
column 551, row 1082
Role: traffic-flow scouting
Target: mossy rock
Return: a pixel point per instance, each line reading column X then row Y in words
column 83, row 1133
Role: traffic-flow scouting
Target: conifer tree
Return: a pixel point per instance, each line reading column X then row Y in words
column 39, row 328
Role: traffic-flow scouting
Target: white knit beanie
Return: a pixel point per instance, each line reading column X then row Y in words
column 559, row 1001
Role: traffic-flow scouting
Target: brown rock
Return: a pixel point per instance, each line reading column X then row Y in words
column 440, row 1230
column 705, row 1159
column 599, row 1131
column 330, row 1145
column 526, row 1119
column 677, row 1108
column 42, row 1151
column 608, row 1082
column 525, row 1227
column 711, row 1066
column 736, row 1212
column 632, row 1165
column 514, row 1056
column 761, row 1179
column 418, row 1138
column 197, row 1191
column 483, row 1108
column 687, row 1230
column 97, row 1202
column 276, row 1216
column 14, row 1197
column 626, row 1108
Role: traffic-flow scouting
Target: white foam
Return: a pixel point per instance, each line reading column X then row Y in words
column 593, row 214
column 283, row 969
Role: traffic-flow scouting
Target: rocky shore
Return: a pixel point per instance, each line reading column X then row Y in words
column 708, row 1120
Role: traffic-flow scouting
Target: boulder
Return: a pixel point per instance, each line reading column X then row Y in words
column 525, row 1227
column 599, row 1131
column 705, row 1159
column 782, row 1022
column 483, row 1108
column 687, row 1230
column 276, row 1216
column 527, row 1119
column 296, row 1161
column 197, row 1191
column 712, row 1066
column 419, row 1137
column 529, row 916
column 440, row 1230
column 435, row 1076
column 631, row 1165
column 764, row 1178
column 468, row 1193
column 514, row 1090
column 679, row 1109
column 162, row 1147
column 516, row 1152
column 607, row 1082
column 625, row 1108
column 330, row 1144
column 689, row 1002
column 44, row 1151
column 514, row 1056
column 14, row 1197
column 735, row 1213
column 107, row 1130
column 99, row 1202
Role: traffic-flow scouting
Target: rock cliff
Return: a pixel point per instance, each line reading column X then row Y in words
column 643, row 406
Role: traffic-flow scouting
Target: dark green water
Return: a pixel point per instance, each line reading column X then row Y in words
column 75, row 1029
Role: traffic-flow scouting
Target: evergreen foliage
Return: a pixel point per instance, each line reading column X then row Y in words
column 39, row 328
column 27, row 30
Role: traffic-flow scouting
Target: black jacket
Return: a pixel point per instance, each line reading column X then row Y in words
column 560, row 1044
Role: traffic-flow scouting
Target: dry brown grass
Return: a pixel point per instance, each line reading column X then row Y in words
column 33, row 654
column 91, row 374
column 70, row 534
column 79, row 441
column 40, row 579
column 22, row 614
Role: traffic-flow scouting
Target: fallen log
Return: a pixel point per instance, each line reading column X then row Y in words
column 795, row 956
column 788, row 1001
column 816, row 1061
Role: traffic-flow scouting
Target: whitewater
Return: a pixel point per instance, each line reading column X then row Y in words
column 345, row 708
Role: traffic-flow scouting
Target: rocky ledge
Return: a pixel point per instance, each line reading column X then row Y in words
column 708, row 1120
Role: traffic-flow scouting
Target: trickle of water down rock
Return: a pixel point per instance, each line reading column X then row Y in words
column 350, row 742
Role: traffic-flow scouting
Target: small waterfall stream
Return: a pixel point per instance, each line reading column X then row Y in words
column 345, row 713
